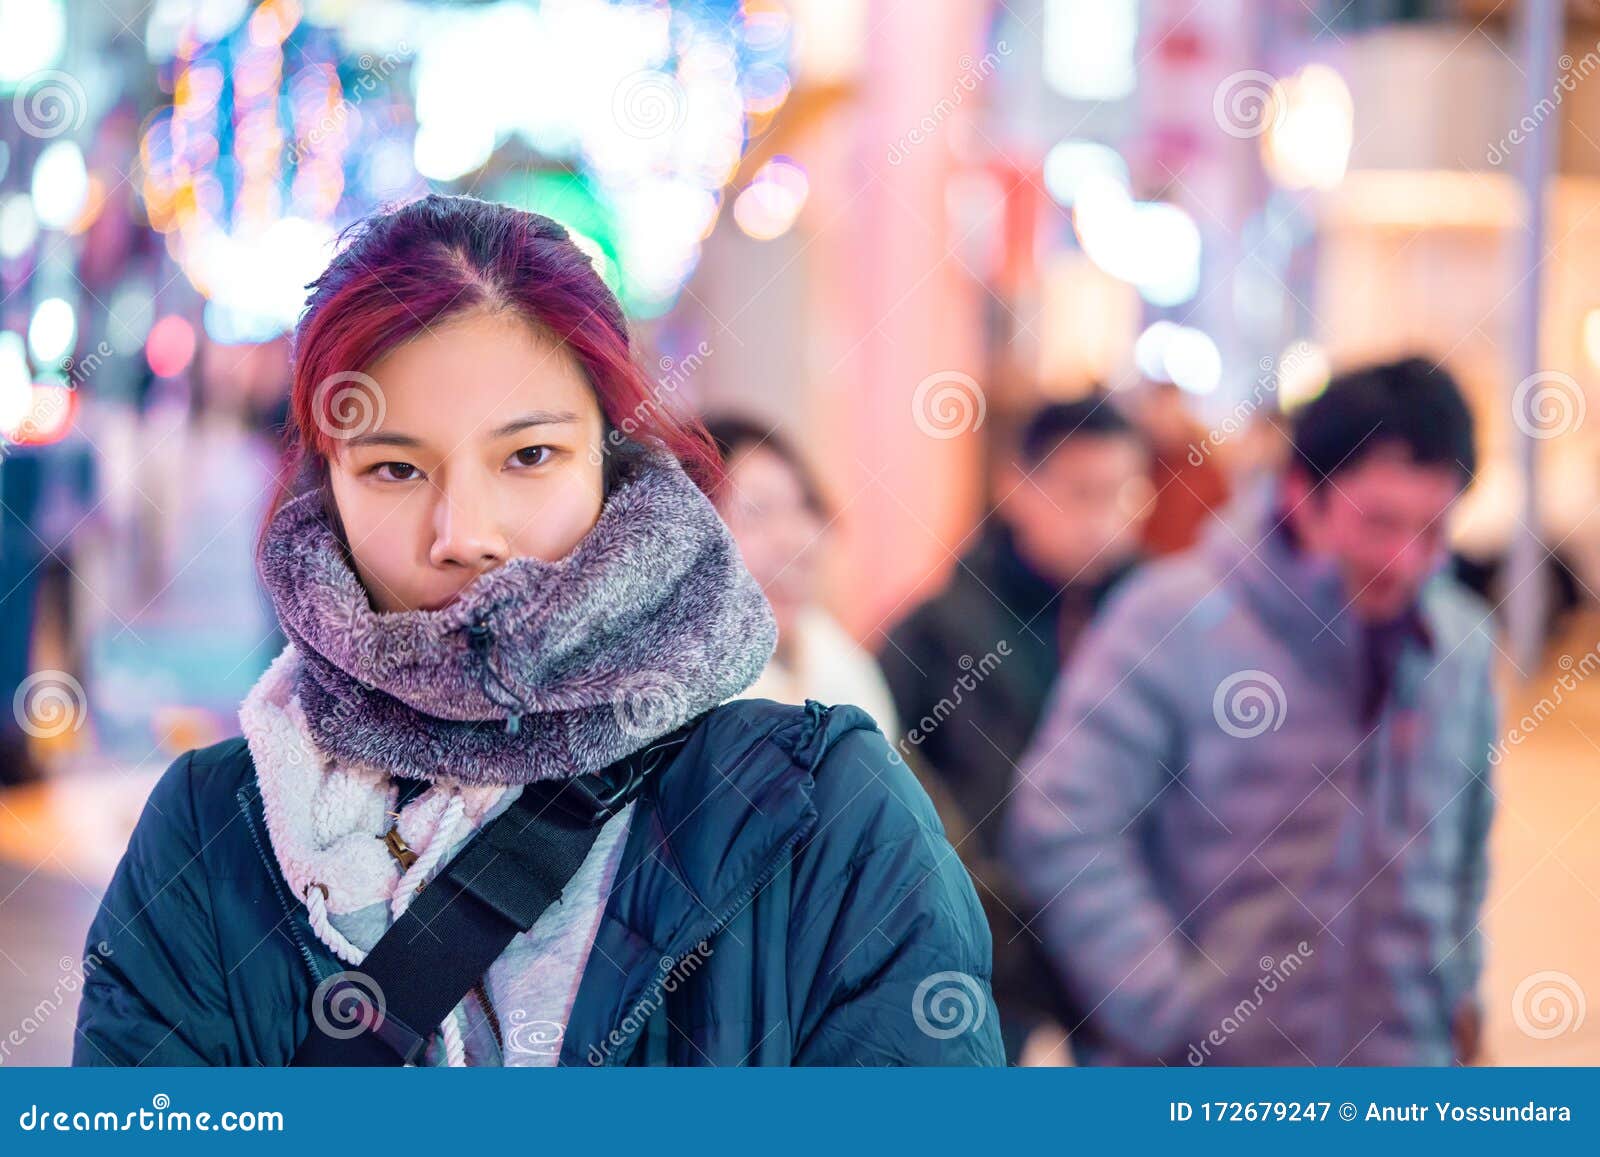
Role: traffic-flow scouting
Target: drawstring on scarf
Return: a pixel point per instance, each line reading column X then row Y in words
column 481, row 639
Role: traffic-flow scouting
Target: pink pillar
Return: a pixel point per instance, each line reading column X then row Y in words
column 904, row 310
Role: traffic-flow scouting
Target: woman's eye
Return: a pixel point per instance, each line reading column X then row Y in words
column 533, row 455
column 399, row 471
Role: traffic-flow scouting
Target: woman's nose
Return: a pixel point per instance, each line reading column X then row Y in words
column 467, row 532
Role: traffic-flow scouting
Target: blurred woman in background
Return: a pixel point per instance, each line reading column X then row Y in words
column 772, row 505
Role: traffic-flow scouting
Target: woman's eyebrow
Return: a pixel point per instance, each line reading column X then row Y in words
column 534, row 418
column 522, row 422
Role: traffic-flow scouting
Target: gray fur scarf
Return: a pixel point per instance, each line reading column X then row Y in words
column 541, row 670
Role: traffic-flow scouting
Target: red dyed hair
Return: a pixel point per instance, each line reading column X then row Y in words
column 417, row 266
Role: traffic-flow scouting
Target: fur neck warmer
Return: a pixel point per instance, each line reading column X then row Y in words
column 540, row 670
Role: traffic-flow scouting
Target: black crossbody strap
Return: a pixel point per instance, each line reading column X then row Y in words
column 497, row 886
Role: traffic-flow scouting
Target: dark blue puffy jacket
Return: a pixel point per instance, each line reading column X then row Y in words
column 840, row 927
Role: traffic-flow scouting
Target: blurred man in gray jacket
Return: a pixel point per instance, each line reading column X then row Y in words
column 1253, row 823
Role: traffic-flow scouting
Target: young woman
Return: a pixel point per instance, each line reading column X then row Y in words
column 497, row 567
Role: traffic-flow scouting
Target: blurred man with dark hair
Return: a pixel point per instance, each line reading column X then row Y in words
column 971, row 668
column 1256, row 815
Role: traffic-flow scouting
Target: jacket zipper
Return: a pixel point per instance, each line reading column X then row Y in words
column 669, row 963
column 277, row 886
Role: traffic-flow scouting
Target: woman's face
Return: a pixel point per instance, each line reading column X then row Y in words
column 765, row 508
column 483, row 444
